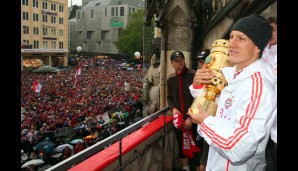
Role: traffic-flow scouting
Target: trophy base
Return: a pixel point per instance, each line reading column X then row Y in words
column 209, row 106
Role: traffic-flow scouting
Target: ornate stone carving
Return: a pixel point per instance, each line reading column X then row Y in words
column 180, row 35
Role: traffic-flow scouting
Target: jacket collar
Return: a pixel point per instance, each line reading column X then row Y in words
column 257, row 66
column 183, row 71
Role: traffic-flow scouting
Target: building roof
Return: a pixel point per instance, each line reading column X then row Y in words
column 72, row 11
column 97, row 3
column 136, row 3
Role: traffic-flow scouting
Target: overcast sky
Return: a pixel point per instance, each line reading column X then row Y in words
column 74, row 2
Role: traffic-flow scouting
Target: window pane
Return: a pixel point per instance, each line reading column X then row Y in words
column 121, row 11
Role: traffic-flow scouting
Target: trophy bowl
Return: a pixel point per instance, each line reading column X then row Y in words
column 217, row 60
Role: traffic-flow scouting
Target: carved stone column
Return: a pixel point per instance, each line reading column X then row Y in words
column 178, row 23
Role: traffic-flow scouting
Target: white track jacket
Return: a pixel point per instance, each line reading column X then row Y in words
column 270, row 56
column 239, row 132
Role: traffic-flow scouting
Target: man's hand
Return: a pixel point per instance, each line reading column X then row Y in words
column 198, row 117
column 203, row 76
column 187, row 123
column 175, row 111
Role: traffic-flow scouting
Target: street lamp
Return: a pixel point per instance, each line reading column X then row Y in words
column 79, row 49
column 137, row 54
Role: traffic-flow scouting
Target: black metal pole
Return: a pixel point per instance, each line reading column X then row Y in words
column 120, row 154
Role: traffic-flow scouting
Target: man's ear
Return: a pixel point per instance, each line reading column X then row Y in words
column 257, row 50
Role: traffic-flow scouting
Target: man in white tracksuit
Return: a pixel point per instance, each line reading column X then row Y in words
column 239, row 131
column 270, row 56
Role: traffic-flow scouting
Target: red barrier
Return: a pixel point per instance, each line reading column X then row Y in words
column 107, row 156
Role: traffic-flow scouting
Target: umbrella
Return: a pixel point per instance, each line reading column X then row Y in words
column 60, row 148
column 89, row 137
column 32, row 162
column 76, row 141
column 121, row 123
column 46, row 68
column 44, row 145
column 24, row 132
column 23, row 110
column 23, row 117
column 45, row 167
column 57, row 155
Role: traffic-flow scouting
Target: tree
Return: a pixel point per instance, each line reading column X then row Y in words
column 131, row 38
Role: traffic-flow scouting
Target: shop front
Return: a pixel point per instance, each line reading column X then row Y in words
column 34, row 58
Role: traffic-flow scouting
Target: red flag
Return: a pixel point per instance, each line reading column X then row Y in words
column 75, row 81
column 79, row 70
column 36, row 87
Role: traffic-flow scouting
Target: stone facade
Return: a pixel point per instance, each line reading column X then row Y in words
column 98, row 24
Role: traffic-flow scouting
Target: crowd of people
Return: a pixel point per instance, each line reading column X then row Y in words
column 105, row 94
